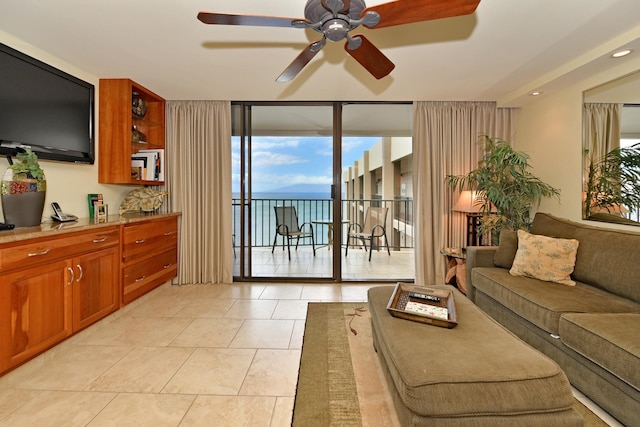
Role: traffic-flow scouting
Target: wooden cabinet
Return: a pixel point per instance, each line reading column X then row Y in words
column 52, row 287
column 149, row 255
column 35, row 307
column 95, row 286
column 116, row 129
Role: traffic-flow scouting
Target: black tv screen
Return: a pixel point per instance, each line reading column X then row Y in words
column 44, row 108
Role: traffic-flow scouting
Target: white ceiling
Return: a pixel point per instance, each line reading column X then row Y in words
column 499, row 53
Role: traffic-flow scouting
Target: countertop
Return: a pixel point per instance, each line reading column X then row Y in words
column 52, row 228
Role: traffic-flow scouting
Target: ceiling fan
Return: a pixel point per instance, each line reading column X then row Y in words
column 334, row 19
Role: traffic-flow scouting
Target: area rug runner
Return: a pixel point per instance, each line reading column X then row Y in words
column 340, row 381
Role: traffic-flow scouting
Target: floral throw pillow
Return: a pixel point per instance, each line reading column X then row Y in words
column 545, row 258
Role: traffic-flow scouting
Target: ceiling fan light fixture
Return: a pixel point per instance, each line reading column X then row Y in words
column 621, row 53
column 336, row 29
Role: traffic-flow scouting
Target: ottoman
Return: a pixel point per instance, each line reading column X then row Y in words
column 476, row 374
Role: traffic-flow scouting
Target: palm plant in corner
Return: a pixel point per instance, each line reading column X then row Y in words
column 505, row 187
column 612, row 182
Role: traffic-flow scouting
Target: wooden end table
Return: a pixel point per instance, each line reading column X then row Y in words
column 456, row 267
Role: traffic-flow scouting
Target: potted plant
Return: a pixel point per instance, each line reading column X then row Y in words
column 505, row 187
column 612, row 183
column 23, row 191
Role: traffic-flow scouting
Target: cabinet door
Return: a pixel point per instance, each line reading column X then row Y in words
column 35, row 310
column 95, row 287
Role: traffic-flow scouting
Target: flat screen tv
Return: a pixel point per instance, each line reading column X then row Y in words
column 44, row 108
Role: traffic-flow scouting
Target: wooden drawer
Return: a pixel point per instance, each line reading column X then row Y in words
column 140, row 277
column 65, row 246
column 149, row 238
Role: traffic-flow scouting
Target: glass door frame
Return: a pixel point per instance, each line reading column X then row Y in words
column 246, row 273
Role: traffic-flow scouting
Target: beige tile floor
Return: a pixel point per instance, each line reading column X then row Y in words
column 223, row 355
column 210, row 355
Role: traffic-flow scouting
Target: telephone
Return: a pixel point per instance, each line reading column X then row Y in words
column 59, row 216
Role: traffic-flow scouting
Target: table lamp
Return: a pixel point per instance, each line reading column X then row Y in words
column 470, row 205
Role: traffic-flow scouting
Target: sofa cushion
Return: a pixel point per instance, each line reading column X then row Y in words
column 607, row 258
column 545, row 258
column 507, row 248
column 542, row 303
column 610, row 340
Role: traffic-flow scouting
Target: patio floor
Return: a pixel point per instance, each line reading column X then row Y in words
column 356, row 266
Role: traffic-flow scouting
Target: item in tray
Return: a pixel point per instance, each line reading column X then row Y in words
column 423, row 296
column 427, row 310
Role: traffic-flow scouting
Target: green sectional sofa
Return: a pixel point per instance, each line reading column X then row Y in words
column 591, row 329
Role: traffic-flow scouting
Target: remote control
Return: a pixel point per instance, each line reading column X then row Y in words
column 423, row 296
column 4, row 226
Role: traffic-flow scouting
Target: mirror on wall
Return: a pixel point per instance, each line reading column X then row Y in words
column 611, row 150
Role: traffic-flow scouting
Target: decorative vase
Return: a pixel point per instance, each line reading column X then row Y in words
column 22, row 200
column 138, row 105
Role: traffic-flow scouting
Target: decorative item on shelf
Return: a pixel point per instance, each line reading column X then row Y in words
column 94, row 198
column 23, row 191
column 137, row 136
column 138, row 105
column 100, row 212
column 508, row 190
column 143, row 199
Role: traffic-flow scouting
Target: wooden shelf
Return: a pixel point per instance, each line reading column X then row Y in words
column 115, row 129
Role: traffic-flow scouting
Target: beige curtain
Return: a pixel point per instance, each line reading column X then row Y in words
column 198, row 152
column 601, row 128
column 445, row 142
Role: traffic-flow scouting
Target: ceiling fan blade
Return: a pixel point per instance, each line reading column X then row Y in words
column 301, row 61
column 371, row 58
column 252, row 20
column 401, row 12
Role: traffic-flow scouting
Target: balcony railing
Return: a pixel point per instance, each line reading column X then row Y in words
column 261, row 215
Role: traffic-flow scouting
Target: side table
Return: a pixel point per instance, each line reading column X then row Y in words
column 456, row 267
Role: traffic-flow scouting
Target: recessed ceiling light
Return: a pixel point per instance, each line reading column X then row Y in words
column 621, row 53
column 536, row 93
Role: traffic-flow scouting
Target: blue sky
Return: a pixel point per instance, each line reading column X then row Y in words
column 283, row 161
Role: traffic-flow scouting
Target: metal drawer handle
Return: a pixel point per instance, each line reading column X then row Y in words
column 70, row 282
column 167, row 266
column 140, row 241
column 140, row 279
column 104, row 239
column 81, row 272
column 169, row 233
column 46, row 251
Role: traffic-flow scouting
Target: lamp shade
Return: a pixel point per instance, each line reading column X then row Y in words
column 468, row 202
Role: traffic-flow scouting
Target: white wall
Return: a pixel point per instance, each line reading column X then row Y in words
column 69, row 183
column 549, row 129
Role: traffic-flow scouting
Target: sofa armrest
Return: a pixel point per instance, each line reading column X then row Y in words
column 478, row 256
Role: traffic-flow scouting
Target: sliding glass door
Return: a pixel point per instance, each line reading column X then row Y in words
column 315, row 168
column 284, row 190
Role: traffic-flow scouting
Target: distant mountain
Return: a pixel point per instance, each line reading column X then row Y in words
column 303, row 188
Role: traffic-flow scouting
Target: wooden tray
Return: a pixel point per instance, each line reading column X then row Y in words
column 400, row 297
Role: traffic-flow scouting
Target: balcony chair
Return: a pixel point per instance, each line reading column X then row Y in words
column 375, row 221
column 287, row 227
